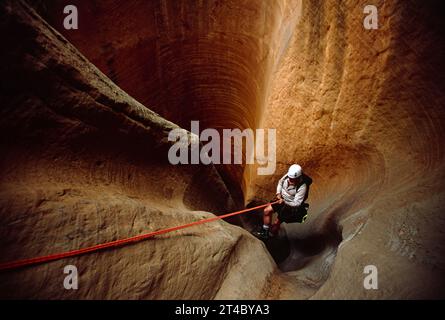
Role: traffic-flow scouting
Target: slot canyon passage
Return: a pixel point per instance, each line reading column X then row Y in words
column 85, row 116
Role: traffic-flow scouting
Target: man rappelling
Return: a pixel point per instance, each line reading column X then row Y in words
column 292, row 191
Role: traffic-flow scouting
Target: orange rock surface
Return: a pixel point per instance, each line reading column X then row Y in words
column 85, row 119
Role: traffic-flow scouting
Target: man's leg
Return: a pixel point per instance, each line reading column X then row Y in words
column 267, row 215
column 275, row 227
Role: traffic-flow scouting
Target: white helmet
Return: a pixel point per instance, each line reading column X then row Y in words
column 295, row 171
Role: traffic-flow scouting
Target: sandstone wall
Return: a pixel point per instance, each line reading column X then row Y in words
column 363, row 112
column 84, row 163
column 187, row 60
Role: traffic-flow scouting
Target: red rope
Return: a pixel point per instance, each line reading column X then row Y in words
column 117, row 243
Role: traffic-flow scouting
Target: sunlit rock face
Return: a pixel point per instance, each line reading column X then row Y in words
column 84, row 157
column 363, row 112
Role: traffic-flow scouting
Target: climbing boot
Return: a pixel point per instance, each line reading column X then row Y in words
column 262, row 234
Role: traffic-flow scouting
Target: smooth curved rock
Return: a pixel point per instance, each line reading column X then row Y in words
column 84, row 163
column 361, row 110
column 187, row 60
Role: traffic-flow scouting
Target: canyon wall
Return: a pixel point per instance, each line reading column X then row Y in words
column 363, row 112
column 85, row 119
column 186, row 60
column 83, row 163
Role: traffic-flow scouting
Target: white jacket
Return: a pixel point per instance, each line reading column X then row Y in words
column 290, row 194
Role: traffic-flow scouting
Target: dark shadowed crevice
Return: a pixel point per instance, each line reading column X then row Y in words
column 292, row 252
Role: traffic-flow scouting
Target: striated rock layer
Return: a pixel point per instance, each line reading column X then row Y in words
column 363, row 112
column 186, row 60
column 84, row 163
